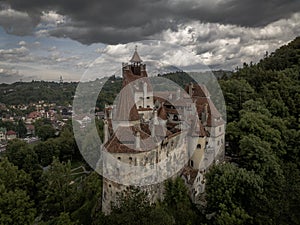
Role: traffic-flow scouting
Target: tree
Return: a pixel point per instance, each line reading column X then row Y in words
column 67, row 145
column 21, row 129
column 16, row 207
column 177, row 202
column 20, row 154
column 134, row 208
column 89, row 209
column 45, row 132
column 57, row 190
column 257, row 155
column 236, row 92
column 234, row 195
column 46, row 151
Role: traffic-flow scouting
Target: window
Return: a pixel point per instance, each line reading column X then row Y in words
column 119, row 158
column 220, row 129
column 175, row 117
column 218, row 143
column 192, row 163
column 198, row 146
column 148, row 97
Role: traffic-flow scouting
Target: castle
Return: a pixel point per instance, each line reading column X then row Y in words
column 159, row 135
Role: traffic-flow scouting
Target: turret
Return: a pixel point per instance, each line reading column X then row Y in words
column 138, row 140
column 204, row 115
column 145, row 94
column 136, row 63
column 106, row 132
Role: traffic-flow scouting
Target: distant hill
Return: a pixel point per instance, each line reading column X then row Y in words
column 287, row 56
column 31, row 92
column 62, row 94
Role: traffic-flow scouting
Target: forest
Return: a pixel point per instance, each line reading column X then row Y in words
column 49, row 183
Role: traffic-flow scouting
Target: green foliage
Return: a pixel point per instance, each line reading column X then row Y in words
column 90, row 196
column 32, row 92
column 264, row 136
column 21, row 129
column 16, row 207
column 178, row 204
column 21, row 155
column 234, row 191
column 135, row 208
column 236, row 92
column 57, row 192
column 45, row 132
column 46, row 151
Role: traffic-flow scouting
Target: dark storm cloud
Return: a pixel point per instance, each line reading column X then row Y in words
column 123, row 21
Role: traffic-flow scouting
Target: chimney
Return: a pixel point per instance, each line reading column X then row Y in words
column 191, row 89
column 145, row 94
column 110, row 114
column 106, row 132
column 153, row 130
column 204, row 115
column 138, row 140
column 155, row 118
column 178, row 94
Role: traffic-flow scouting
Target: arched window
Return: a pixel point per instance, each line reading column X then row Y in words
column 175, row 117
column 192, row 163
column 198, row 146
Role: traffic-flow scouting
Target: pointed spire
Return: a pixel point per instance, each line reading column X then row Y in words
column 136, row 58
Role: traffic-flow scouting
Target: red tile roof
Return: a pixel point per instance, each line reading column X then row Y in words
column 162, row 113
column 123, row 140
column 214, row 117
column 11, row 132
column 34, row 115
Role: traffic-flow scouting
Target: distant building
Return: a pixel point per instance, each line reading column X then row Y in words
column 10, row 135
column 33, row 116
column 30, row 130
column 148, row 128
column 2, row 134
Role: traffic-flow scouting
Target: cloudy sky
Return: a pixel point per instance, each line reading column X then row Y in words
column 43, row 40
